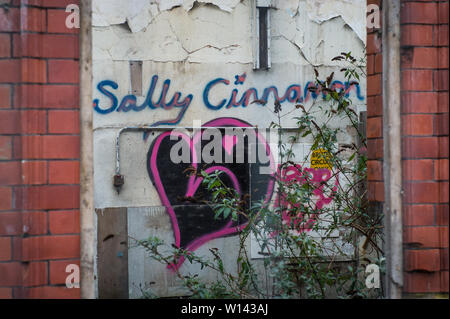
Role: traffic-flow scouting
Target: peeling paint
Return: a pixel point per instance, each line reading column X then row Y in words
column 170, row 37
column 111, row 12
column 143, row 18
column 138, row 14
column 351, row 11
column 299, row 40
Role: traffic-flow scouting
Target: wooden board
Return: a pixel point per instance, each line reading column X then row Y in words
column 112, row 250
column 136, row 77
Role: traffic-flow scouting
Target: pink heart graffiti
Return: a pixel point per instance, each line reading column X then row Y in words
column 157, row 159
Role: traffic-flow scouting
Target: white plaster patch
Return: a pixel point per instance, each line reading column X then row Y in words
column 226, row 54
column 142, row 19
column 162, row 46
column 289, row 6
column 352, row 11
column 213, row 35
column 298, row 40
column 200, row 36
column 110, row 12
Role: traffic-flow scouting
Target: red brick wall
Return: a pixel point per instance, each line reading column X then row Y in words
column 424, row 27
column 424, row 67
column 39, row 149
column 374, row 113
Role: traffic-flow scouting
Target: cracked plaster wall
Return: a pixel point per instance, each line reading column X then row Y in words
column 191, row 43
column 205, row 31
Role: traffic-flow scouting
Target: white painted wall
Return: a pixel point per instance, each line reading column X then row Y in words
column 191, row 43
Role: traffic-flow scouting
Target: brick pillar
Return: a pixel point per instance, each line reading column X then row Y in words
column 424, row 40
column 425, row 165
column 39, row 149
column 425, row 145
column 374, row 114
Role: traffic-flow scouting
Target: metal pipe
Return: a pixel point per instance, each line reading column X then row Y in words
column 87, row 240
column 392, row 161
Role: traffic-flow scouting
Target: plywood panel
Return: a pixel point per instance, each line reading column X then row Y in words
column 112, row 247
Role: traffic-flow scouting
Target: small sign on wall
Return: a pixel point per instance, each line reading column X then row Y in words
column 321, row 158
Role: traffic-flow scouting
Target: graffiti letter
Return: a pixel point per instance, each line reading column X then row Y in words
column 113, row 98
column 296, row 97
column 73, row 19
column 73, row 280
column 274, row 90
column 128, row 103
column 373, row 279
column 353, row 84
column 206, row 93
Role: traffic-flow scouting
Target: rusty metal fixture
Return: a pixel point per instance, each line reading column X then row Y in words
column 119, row 180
